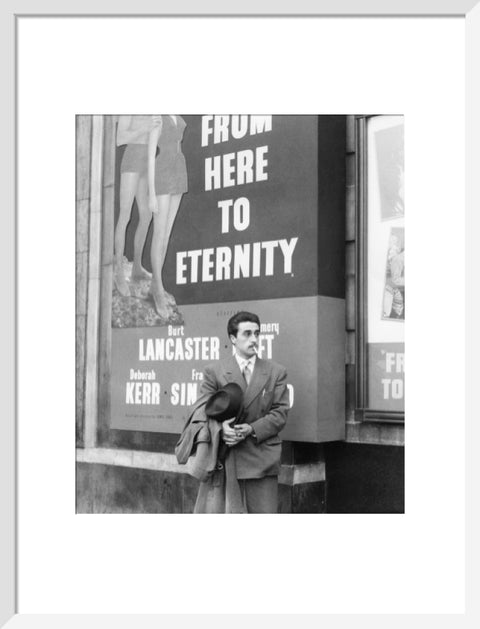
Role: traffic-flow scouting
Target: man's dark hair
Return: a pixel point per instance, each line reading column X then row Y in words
column 240, row 317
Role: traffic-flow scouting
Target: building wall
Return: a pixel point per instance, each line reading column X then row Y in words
column 83, row 163
column 107, row 488
column 364, row 478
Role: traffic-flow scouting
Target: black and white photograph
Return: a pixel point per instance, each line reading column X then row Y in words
column 223, row 384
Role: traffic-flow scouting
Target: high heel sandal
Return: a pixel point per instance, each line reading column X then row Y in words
column 120, row 282
column 142, row 274
column 161, row 303
column 170, row 299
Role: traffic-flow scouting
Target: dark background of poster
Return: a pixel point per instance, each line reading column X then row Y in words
column 303, row 197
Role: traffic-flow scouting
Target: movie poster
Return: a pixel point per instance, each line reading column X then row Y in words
column 215, row 214
column 386, row 264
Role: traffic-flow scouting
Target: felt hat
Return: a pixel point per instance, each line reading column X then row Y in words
column 225, row 403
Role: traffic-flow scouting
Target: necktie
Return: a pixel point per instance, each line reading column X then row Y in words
column 247, row 374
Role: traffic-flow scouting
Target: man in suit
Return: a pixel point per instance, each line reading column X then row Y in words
column 254, row 444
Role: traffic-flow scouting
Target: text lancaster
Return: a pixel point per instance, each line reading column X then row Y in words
column 180, row 348
column 225, row 263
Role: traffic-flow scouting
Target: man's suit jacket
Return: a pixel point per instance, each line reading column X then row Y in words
column 265, row 405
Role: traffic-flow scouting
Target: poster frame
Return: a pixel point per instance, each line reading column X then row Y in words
column 362, row 410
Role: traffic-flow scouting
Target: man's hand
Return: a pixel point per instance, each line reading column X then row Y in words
column 229, row 434
column 243, row 430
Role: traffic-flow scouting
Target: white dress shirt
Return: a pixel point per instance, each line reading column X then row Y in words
column 251, row 363
column 243, row 361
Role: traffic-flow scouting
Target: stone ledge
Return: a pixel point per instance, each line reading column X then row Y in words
column 301, row 474
column 131, row 458
column 160, row 462
column 375, row 433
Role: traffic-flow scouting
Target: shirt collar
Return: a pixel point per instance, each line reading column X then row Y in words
column 243, row 361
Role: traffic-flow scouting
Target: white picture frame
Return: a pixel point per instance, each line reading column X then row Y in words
column 14, row 11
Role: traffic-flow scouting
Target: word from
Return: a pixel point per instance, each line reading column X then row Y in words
column 216, row 129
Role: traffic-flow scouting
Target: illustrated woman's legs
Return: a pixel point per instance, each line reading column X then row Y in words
column 172, row 214
column 144, row 218
column 173, row 206
column 128, row 187
column 160, row 224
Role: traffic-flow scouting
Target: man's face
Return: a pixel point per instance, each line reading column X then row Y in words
column 246, row 341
